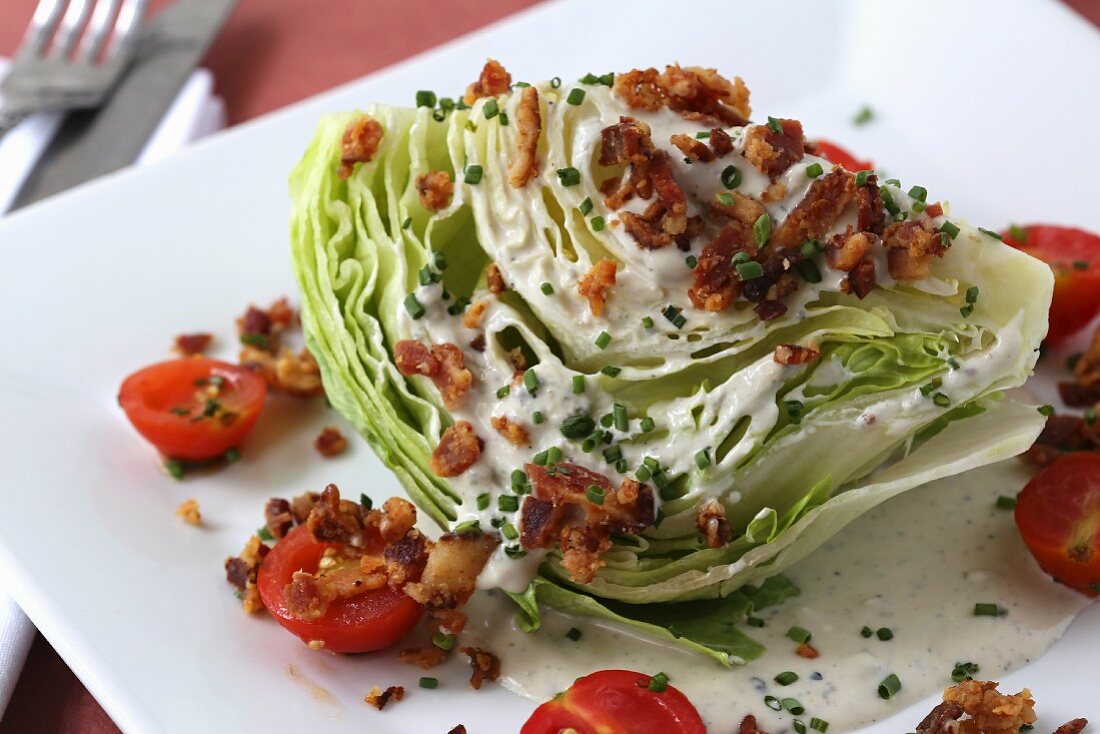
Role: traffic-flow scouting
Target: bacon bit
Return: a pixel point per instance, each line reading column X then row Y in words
column 450, row 575
column 291, row 373
column 580, row 552
column 187, row 345
column 627, row 143
column 1075, row 395
column 330, row 442
column 596, row 283
column 517, row 359
column 458, row 450
column 484, row 664
column 773, row 153
column 460, row 729
column 539, row 521
column 425, row 657
column 241, row 572
column 694, row 149
column 343, row 573
column 748, row 726
column 278, row 518
column 302, row 505
column 478, row 343
column 493, row 81
column 705, row 95
column 716, row 286
column 493, row 276
column 379, row 698
column 795, row 354
column 436, row 190
column 359, row 144
column 775, row 192
column 444, row 364
column 769, row 310
column 398, row 518
column 872, row 212
column 911, row 245
column 990, row 710
column 644, row 227
column 640, row 90
column 260, row 328
column 745, row 210
column 189, row 512
column 807, row 651
column 720, row 142
column 333, row 520
column 818, row 211
column 511, row 430
column 406, row 559
column 712, row 524
column 847, row 249
column 943, row 719
column 1072, row 727
column 670, row 194
column 525, row 164
column 933, row 210
column 473, row 315
column 1087, row 369
column 1061, row 434
column 861, row 278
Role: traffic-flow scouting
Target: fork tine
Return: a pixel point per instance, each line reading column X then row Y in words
column 42, row 27
column 128, row 27
column 71, row 24
column 99, row 30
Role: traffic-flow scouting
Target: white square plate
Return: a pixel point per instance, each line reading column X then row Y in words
column 987, row 103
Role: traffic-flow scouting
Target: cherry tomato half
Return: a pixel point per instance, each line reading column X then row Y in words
column 1058, row 514
column 835, row 154
column 193, row 408
column 364, row 623
column 1074, row 256
column 616, row 702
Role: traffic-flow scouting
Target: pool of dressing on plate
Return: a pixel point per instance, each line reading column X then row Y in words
column 916, row 565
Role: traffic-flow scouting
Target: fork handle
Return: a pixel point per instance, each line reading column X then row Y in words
column 9, row 120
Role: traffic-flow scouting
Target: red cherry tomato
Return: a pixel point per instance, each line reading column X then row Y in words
column 835, row 154
column 370, row 621
column 193, row 408
column 616, row 702
column 1074, row 256
column 1058, row 514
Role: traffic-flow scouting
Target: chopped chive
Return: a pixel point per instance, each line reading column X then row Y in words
column 232, row 455
column 972, row 294
column 658, row 683
column 578, row 384
column 473, row 174
column 502, row 392
column 862, row 176
column 647, row 322
column 792, row 705
column 892, row 182
column 569, row 176
column 589, row 78
column 648, row 424
column 490, row 109
column 546, row 288
column 794, row 410
column 889, row 686
column 611, row 371
column 1005, row 502
column 553, row 455
column 866, row 632
column 702, row 459
column 953, row 363
column 919, row 193
column 503, row 118
column 1080, row 265
column 786, row 678
column 884, row 633
column 577, row 426
column 531, row 381
column 508, row 530
column 446, row 104
column 775, row 125
column 514, row 552
column 703, row 135
column 590, row 443
column 799, row 726
column 586, row 206
column 941, row 400
column 731, row 178
column 264, row 534
column 483, row 501
column 414, row 307
column 539, row 458
column 597, row 223
column 471, row 126
column 691, row 261
column 651, row 463
column 507, row 503
column 810, row 248
column 442, row 640
column 612, row 454
column 555, row 82
column 799, row 634
column 930, row 387
column 749, row 270
column 919, row 206
column 465, row 527
column 428, row 682
column 595, row 494
column 814, row 170
column 819, row 724
column 425, row 275
column 863, row 116
column 967, row 310
column 1090, row 415
column 573, row 634
column 622, row 421
column 365, row 501
column 607, row 79
column 754, row 621
column 888, row 201
column 991, row 233
column 538, row 417
column 987, row 610
column 407, row 223
column 809, row 271
column 440, row 260
column 1046, row 410
column 458, row 306
column 762, row 229
column 773, row 703
column 518, row 477
column 425, row 98
column 643, row 473
column 576, row 96
column 675, row 317
column 621, row 466
column 950, row 228
column 1018, row 233
column 962, row 671
column 724, row 199
column 603, row 340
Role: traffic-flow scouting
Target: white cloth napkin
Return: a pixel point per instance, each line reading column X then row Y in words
column 195, row 112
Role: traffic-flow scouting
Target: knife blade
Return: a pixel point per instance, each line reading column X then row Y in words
column 92, row 143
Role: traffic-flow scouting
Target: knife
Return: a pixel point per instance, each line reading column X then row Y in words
column 92, row 143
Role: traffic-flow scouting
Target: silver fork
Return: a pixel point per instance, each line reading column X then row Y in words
column 73, row 53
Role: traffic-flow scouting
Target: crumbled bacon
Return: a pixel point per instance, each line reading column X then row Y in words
column 693, row 148
column 435, row 189
column 443, row 363
column 241, row 571
column 819, row 210
column 705, row 95
column 749, row 726
column 288, row 372
column 581, row 551
column 458, row 450
column 330, row 442
column 539, row 522
column 806, row 650
column 512, row 430
column 596, row 283
column 459, row 729
column 1061, row 434
column 379, row 698
column 669, row 193
column 911, row 245
column 627, row 143
column 525, row 163
column 720, row 142
column 776, row 191
column 713, row 525
column 716, row 283
column 406, row 559
column 335, row 520
column 933, row 210
column 640, row 90
column 342, row 574
column 861, row 278
column 483, row 664
column 450, row 574
column 518, row 360
column 189, row 512
column 1087, row 369
column 847, row 249
column 990, row 711
column 645, row 227
column 493, row 81
column 772, row 152
column 1076, row 395
column 187, row 345
column 745, row 210
column 769, row 310
column 796, row 354
column 494, row 277
column 1072, row 727
column 359, row 144
column 302, row 505
column 472, row 316
column 425, row 657
column 871, row 215
column 398, row 518
column 943, row 719
column 278, row 517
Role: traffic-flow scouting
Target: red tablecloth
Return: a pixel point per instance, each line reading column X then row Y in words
column 270, row 54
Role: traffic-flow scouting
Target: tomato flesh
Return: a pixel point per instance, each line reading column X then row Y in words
column 1074, row 256
column 1058, row 514
column 841, row 157
column 616, row 702
column 370, row 621
column 193, row 408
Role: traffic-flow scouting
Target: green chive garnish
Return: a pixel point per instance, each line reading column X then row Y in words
column 731, row 179
column 1018, row 233
column 546, row 288
column 577, row 426
column 265, row 534
column 595, row 494
column 987, row 610
column 762, row 230
column 702, row 135
column 603, row 340
column 569, row 176
column 589, row 78
column 647, row 322
column 658, row 683
column 724, row 199
column 514, row 552
column 502, row 392
column 991, row 233
column 365, row 501
column 473, row 174
column 586, row 206
column 792, row 705
column 491, row 109
column 648, row 424
column 465, row 527
column 819, row 724
column 643, row 474
column 794, row 409
column 555, row 82
column 531, row 381
column 425, row 98
column 674, row 316
column 809, row 271
column 691, row 261
column 950, row 228
column 775, row 125
column 786, row 678
column 443, row 641
column 483, row 502
column 962, row 671
column 597, row 224
column 702, row 459
column 1046, row 410
column 573, row 634
column 407, row 223
column 578, row 384
column 612, row 454
column 866, row 631
column 919, row 193
column 611, row 370
column 576, row 96
column 862, row 176
column 972, row 294
column 427, row 682
column 507, row 503
column 799, row 634
column 865, row 115
column 884, row 633
column 750, row 270
column 414, row 307
column 754, row 621
column 508, row 530
column 540, row 458
column 621, row 420
column 889, row 686
column 773, row 703
column 538, row 417
column 814, row 170
column 1005, row 502
column 941, row 400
